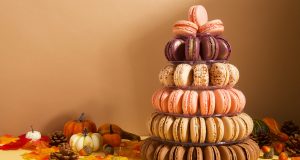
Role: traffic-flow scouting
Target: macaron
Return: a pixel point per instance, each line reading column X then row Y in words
column 151, row 150
column 211, row 130
column 164, row 98
column 161, row 128
column 183, row 130
column 229, row 129
column 207, row 102
column 208, row 153
column 185, row 28
column 177, row 153
column 163, row 153
column 213, row 27
column 236, row 129
column 225, row 153
column 209, row 47
column 156, row 152
column 150, row 122
column 249, row 123
column 192, row 48
column 168, row 126
column 201, row 76
column 242, row 127
column 155, row 124
column 218, row 74
column 239, row 152
column 197, row 130
column 234, row 156
column 175, row 50
column 241, row 97
column 220, row 129
column 235, row 102
column 144, row 148
column 156, row 98
column 183, row 75
column 175, row 101
column 175, row 129
column 224, row 49
column 198, row 15
column 166, row 75
column 190, row 102
column 223, row 101
column 216, row 152
column 234, row 75
column 248, row 151
column 194, row 153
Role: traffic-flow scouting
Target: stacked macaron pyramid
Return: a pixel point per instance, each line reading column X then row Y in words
column 199, row 114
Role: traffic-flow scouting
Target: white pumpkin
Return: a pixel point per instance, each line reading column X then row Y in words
column 33, row 135
column 80, row 140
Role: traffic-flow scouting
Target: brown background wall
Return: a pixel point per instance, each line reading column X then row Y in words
column 62, row 57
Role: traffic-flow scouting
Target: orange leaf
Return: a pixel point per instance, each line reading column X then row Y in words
column 7, row 139
column 272, row 124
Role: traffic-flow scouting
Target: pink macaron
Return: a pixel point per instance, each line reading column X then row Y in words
column 190, row 102
column 185, row 28
column 198, row 15
column 207, row 102
column 175, row 101
column 241, row 97
column 214, row 27
column 223, row 101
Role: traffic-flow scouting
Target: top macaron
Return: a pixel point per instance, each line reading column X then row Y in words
column 198, row 23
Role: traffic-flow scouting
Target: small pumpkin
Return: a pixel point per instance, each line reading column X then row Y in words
column 111, row 138
column 83, row 140
column 77, row 126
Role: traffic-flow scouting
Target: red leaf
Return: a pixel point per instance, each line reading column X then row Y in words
column 16, row 145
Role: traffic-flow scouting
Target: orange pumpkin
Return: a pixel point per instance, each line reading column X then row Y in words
column 77, row 126
column 111, row 138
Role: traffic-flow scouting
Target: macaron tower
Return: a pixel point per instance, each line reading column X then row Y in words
column 198, row 111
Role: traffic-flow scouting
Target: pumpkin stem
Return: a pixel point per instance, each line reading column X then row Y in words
column 110, row 129
column 85, row 132
column 31, row 128
column 81, row 118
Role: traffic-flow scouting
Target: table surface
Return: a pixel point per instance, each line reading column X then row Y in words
column 16, row 155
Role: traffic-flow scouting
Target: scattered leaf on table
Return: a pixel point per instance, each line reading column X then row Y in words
column 15, row 145
column 5, row 139
column 39, row 154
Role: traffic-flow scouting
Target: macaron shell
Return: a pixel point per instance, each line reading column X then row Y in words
column 211, row 130
column 155, row 124
column 164, row 100
column 217, row 153
column 175, row 101
column 209, row 48
column 156, row 98
column 249, row 151
column 194, row 153
column 183, row 75
column 155, row 155
column 234, row 102
column 236, row 129
column 234, row 75
column 179, row 153
column 194, row 129
column 168, row 132
column 192, row 47
column 207, row 102
column 213, row 27
column 225, row 153
column 239, row 152
column 185, row 28
column 202, row 130
column 176, row 130
column 242, row 99
column 151, row 150
column 242, row 127
column 227, row 101
column 224, row 49
column 198, row 15
column 220, row 97
column 164, row 153
column 218, row 74
column 220, row 129
column 201, row 76
column 190, row 102
column 166, row 75
column 234, row 156
column 208, row 153
column 175, row 50
column 144, row 148
column 184, row 130
column 161, row 127
column 149, row 123
column 248, row 121
column 229, row 129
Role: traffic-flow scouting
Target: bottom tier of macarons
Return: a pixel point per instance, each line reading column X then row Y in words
column 156, row 150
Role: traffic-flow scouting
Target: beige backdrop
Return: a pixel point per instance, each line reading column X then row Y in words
column 59, row 58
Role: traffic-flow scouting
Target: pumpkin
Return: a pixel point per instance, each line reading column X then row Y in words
column 260, row 128
column 111, row 138
column 33, row 135
column 84, row 140
column 77, row 126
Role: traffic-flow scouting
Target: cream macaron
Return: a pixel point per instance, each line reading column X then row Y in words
column 183, row 75
column 166, row 75
column 201, row 75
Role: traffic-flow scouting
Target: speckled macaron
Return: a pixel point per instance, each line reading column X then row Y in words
column 201, row 75
column 234, row 75
column 219, row 75
column 166, row 75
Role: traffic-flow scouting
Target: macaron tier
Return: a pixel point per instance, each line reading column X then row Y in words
column 204, row 103
column 199, row 130
column 199, row 76
column 158, row 150
column 198, row 114
column 202, row 47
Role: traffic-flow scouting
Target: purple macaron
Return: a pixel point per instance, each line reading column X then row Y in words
column 192, row 48
column 224, row 49
column 175, row 50
column 209, row 47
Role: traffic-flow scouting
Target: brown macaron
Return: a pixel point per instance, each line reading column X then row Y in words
column 208, row 153
column 177, row 153
column 225, row 153
column 194, row 153
column 239, row 152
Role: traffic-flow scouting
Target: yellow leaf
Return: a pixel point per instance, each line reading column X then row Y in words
column 7, row 139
